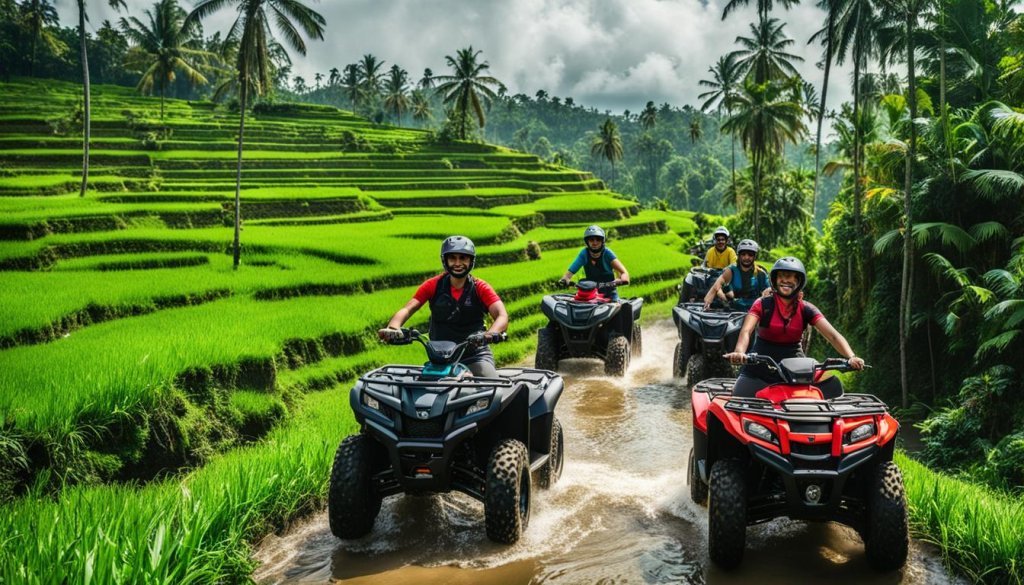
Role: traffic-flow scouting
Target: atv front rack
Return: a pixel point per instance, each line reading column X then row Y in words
column 409, row 376
column 847, row 404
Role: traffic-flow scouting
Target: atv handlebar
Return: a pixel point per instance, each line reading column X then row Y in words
column 833, row 363
column 601, row 286
column 406, row 336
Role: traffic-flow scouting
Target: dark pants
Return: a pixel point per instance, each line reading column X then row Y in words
column 755, row 377
column 481, row 363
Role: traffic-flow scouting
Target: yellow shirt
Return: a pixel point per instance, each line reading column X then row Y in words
column 714, row 259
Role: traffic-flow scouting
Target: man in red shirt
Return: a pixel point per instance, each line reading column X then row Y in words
column 458, row 304
column 780, row 320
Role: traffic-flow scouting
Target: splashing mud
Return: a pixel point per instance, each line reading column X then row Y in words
column 621, row 512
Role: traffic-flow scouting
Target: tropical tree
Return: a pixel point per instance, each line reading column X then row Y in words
column 827, row 36
column 87, row 105
column 763, row 6
column 254, row 60
column 467, row 90
column 334, row 77
column 764, row 119
column 420, row 107
column 649, row 116
column 726, row 75
column 371, row 81
column 696, row 131
column 427, row 81
column 350, row 85
column 396, row 97
column 763, row 54
column 163, row 47
column 39, row 19
column 608, row 144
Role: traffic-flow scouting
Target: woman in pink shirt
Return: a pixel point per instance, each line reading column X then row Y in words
column 780, row 320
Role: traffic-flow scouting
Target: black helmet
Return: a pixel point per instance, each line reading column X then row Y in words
column 592, row 231
column 721, row 230
column 748, row 246
column 793, row 265
column 458, row 245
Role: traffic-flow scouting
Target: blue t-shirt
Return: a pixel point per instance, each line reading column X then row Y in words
column 601, row 271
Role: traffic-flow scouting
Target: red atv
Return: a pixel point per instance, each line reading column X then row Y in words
column 789, row 452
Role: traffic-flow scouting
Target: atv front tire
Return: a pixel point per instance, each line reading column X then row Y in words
column 698, row 489
column 547, row 350
column 696, row 370
column 617, row 358
column 352, row 501
column 886, row 541
column 727, row 513
column 682, row 354
column 507, row 493
column 548, row 475
column 636, row 344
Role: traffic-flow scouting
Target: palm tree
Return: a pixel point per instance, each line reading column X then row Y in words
column 334, row 77
column 87, row 105
column 763, row 54
column 649, row 116
column 696, row 132
column 427, row 81
column 765, row 120
column 726, row 75
column 254, row 60
column 350, row 83
column 370, row 81
column 763, row 6
column 39, row 18
column 317, row 78
column 164, row 47
column 608, row 144
column 396, row 100
column 420, row 107
column 832, row 8
column 468, row 90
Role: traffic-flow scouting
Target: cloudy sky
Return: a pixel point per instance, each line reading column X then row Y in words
column 610, row 54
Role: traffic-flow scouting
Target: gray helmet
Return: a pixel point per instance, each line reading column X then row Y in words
column 721, row 230
column 748, row 246
column 592, row 231
column 793, row 265
column 458, row 245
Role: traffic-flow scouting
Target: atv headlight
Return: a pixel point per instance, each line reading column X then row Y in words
column 477, row 406
column 760, row 431
column 862, row 432
column 371, row 402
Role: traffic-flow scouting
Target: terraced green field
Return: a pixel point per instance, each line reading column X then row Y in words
column 153, row 390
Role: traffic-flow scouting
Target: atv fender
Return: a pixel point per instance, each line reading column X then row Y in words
column 721, row 444
column 514, row 422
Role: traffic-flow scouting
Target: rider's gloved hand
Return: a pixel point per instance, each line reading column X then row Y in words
column 563, row 282
column 477, row 340
column 390, row 334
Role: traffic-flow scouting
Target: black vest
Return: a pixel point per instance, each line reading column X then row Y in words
column 455, row 320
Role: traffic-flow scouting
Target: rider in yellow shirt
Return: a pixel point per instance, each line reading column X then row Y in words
column 722, row 255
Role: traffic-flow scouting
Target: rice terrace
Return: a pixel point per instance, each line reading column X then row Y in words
column 195, row 271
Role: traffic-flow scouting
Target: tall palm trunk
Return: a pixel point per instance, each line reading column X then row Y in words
column 821, row 109
column 87, row 105
column 757, row 196
column 244, row 94
column 908, row 240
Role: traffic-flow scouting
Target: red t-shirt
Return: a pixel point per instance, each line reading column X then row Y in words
column 484, row 292
column 781, row 330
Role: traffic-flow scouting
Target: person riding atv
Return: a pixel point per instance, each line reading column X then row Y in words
column 722, row 255
column 745, row 280
column 780, row 320
column 458, row 305
column 598, row 262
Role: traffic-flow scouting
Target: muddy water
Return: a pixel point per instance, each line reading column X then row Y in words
column 621, row 512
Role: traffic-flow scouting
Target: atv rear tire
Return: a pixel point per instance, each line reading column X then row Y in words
column 636, row 343
column 727, row 513
column 552, row 470
column 696, row 369
column 698, row 489
column 547, row 350
column 507, row 493
column 885, row 539
column 617, row 358
column 679, row 361
column 352, row 501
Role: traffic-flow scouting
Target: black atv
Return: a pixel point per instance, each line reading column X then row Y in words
column 589, row 325
column 704, row 336
column 697, row 282
column 435, row 428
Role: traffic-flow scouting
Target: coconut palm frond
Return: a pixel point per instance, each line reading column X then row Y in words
column 947, row 233
column 995, row 184
column 888, row 242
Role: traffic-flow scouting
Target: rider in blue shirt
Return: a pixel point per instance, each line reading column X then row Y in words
column 598, row 262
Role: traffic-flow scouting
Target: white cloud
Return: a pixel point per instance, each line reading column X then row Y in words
column 610, row 54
